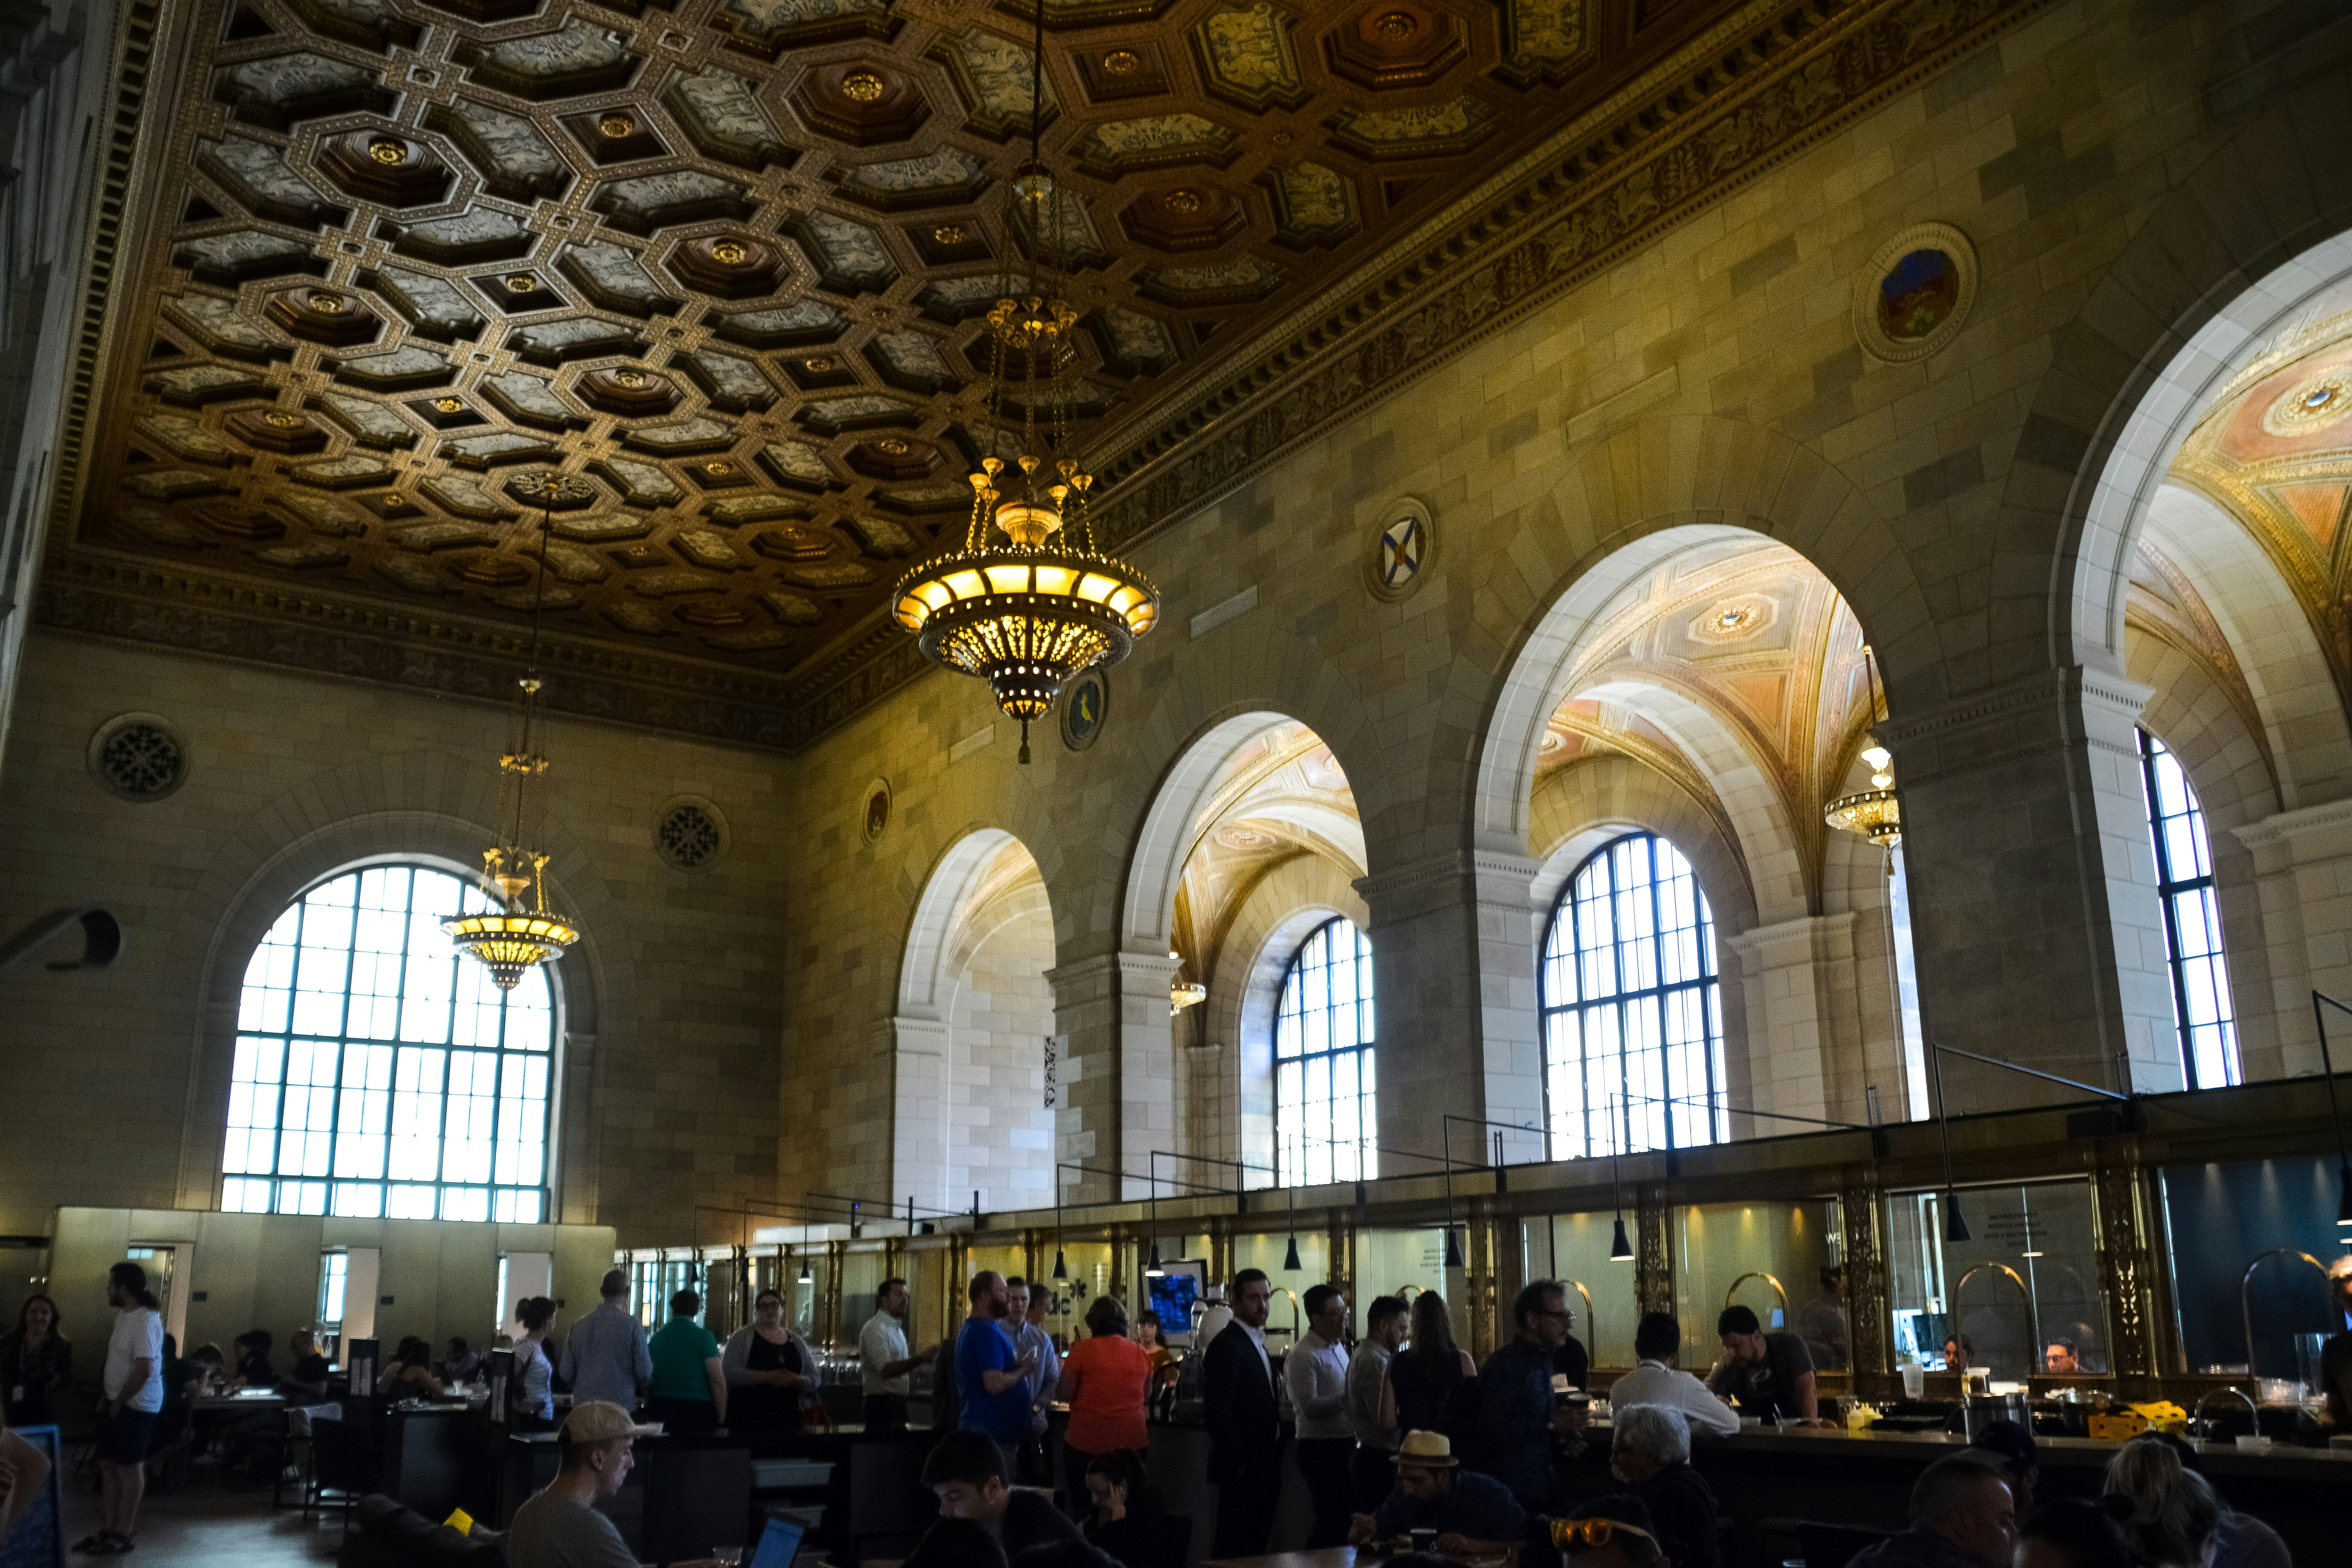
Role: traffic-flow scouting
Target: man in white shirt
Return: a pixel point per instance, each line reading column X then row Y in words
column 1656, row 1341
column 884, row 1362
column 1027, row 1314
column 1371, row 1469
column 133, row 1387
column 1315, row 1372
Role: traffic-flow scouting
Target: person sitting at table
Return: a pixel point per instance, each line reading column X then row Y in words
column 2059, row 1359
column 1962, row 1516
column 1474, row 1515
column 409, row 1374
column 2072, row 1533
column 249, row 1353
column 461, row 1363
column 1769, row 1375
column 2019, row 1457
column 1657, row 1340
column 197, row 1370
column 1607, row 1532
column 689, row 1389
column 560, row 1526
column 767, row 1368
column 2171, row 1514
column 1958, row 1353
column 36, row 1364
column 966, row 1473
column 307, row 1384
column 1124, row 1518
column 1105, row 1379
column 1649, row 1450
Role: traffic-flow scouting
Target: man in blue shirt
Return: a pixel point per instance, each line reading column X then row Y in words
column 991, row 1378
column 1473, row 1515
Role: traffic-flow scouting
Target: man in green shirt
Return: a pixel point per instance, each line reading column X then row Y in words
column 689, row 1387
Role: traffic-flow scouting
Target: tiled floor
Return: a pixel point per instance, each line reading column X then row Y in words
column 204, row 1525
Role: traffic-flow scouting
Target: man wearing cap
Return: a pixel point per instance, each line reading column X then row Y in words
column 607, row 1356
column 1473, row 1515
column 559, row 1526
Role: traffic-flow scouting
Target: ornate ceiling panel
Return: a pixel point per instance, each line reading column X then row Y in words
column 721, row 262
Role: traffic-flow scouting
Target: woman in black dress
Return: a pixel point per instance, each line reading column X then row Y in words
column 1424, row 1376
column 768, row 1369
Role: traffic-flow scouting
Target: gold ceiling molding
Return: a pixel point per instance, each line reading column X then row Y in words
column 2162, row 602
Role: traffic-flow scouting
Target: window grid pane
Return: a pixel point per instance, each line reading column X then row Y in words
column 1632, row 1026
column 2192, row 919
column 378, row 1074
column 1324, row 1091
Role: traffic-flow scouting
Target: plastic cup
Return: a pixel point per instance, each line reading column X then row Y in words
column 1915, row 1380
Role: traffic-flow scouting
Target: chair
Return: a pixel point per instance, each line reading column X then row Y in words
column 342, row 1468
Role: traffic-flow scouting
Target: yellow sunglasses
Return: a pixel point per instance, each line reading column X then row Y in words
column 1591, row 1534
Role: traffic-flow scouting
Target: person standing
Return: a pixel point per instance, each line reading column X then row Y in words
column 1770, row 1375
column 1516, row 1414
column 607, row 1355
column 768, row 1372
column 1244, row 1421
column 690, row 1386
column 132, row 1384
column 1315, row 1372
column 533, row 1395
column 1026, row 1310
column 1426, row 1376
column 1658, row 1339
column 992, row 1377
column 36, row 1364
column 1106, row 1379
column 1370, row 1419
column 884, row 1362
column 1821, row 1323
column 2336, row 1355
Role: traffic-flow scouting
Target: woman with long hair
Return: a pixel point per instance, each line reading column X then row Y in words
column 2173, row 1517
column 35, row 1363
column 768, row 1370
column 533, row 1397
column 1424, row 1375
column 410, row 1374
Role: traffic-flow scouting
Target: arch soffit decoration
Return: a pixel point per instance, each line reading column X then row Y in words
column 937, row 940
column 1631, row 503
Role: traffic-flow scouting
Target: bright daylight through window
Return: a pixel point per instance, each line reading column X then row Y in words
column 1324, row 1124
column 2192, row 920
column 378, row 1073
column 1632, row 1018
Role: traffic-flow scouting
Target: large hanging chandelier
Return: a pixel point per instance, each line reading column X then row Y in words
column 1028, row 601
column 1875, row 812
column 518, row 935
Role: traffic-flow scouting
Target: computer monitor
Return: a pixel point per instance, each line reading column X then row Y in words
column 779, row 1543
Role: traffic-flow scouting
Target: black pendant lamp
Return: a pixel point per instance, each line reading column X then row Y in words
column 1621, row 1250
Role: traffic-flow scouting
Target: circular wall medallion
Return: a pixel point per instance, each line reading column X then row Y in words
column 1401, row 547
column 1914, row 295
column 2312, row 405
column 138, row 757
column 1086, row 704
column 876, row 810
column 689, row 833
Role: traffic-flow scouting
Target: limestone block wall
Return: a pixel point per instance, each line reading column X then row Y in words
column 2108, row 184
column 672, row 1004
column 1000, row 1134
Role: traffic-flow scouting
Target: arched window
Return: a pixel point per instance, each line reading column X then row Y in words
column 1324, row 1124
column 377, row 1072
column 2192, row 920
column 1632, row 1016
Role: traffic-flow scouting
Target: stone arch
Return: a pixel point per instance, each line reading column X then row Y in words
column 1627, row 504
column 427, row 807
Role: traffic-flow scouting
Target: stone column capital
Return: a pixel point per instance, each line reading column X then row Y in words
column 1808, row 939
column 2048, row 710
column 2290, row 827
column 1489, row 877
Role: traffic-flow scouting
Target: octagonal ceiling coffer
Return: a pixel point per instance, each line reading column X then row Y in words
column 324, row 316
column 385, row 167
column 1396, row 43
column 628, row 391
column 731, row 265
column 618, row 135
column 276, row 429
column 860, row 104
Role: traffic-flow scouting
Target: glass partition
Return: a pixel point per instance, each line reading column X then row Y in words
column 1405, row 1262
column 1089, row 1263
column 862, row 1273
column 1573, row 1249
column 1781, row 1260
column 2021, row 1297
column 2249, row 1243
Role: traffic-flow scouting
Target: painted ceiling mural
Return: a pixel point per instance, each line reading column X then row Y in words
column 381, row 263
column 1737, row 654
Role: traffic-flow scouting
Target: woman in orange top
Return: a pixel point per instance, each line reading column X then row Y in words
column 1104, row 1378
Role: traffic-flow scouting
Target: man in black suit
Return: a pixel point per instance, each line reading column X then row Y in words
column 1245, row 1426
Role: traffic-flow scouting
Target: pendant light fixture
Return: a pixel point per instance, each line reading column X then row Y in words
column 1621, row 1250
column 1028, row 601
column 1290, row 1259
column 1875, row 812
column 515, row 937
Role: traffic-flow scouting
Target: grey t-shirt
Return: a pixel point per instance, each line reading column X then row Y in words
column 1767, row 1386
column 551, row 1531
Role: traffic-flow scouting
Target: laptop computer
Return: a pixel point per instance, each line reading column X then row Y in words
column 779, row 1543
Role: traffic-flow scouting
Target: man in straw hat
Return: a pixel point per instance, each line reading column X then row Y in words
column 1473, row 1515
column 560, row 1526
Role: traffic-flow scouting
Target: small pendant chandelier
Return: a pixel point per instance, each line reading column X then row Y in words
column 514, row 937
column 1875, row 812
column 1028, row 601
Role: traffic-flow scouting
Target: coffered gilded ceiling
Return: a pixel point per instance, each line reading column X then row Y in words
column 719, row 265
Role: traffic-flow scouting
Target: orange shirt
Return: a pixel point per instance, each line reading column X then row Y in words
column 1104, row 1379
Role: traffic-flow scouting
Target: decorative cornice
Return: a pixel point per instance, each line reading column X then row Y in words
column 1819, row 936
column 2049, row 708
column 1608, row 186
column 2289, row 826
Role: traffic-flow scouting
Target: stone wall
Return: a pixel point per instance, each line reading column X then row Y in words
column 671, row 1004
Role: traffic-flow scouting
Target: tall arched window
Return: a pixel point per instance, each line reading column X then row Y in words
column 1324, row 1123
column 2192, row 920
column 377, row 1072
column 1632, row 1016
